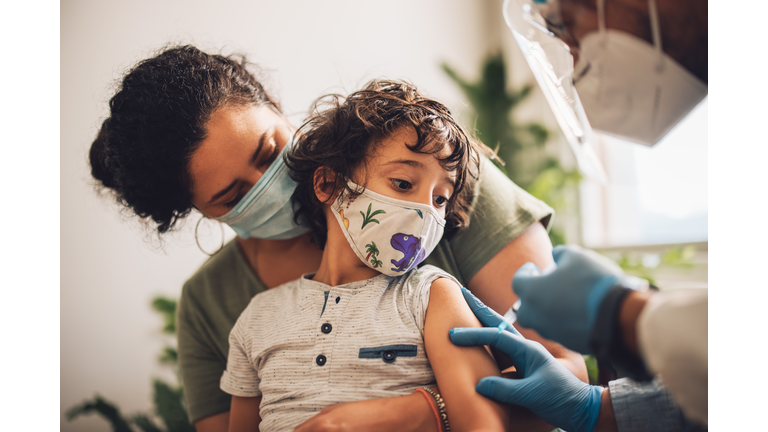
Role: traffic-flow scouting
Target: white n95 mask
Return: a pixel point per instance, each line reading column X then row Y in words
column 630, row 88
column 267, row 211
column 389, row 235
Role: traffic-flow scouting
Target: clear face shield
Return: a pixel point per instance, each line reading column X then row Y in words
column 628, row 87
column 551, row 62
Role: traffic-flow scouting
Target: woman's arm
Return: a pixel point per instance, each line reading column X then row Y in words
column 244, row 414
column 492, row 285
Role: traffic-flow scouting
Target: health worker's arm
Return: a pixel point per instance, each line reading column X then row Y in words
column 458, row 369
column 244, row 414
column 492, row 285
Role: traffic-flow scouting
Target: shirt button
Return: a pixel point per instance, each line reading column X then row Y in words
column 338, row 299
column 320, row 360
column 326, row 328
column 389, row 356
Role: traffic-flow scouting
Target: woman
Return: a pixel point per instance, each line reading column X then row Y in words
column 188, row 130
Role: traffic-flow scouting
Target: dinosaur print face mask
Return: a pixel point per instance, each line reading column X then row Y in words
column 389, row 235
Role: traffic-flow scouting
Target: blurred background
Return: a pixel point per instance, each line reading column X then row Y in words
column 651, row 216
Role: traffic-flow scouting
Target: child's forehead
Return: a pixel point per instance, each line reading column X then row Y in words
column 400, row 143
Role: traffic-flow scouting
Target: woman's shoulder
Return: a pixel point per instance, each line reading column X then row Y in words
column 501, row 211
column 223, row 285
column 499, row 199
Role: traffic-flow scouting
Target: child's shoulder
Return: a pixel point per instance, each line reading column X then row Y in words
column 427, row 274
column 267, row 306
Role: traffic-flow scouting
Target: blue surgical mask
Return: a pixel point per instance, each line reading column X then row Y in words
column 267, row 211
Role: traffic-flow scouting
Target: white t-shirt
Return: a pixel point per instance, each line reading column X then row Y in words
column 305, row 345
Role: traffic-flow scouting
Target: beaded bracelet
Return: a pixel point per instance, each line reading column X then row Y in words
column 441, row 408
column 431, row 402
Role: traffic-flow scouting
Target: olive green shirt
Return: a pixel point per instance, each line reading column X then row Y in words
column 213, row 298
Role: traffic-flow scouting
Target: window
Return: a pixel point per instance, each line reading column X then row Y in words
column 654, row 195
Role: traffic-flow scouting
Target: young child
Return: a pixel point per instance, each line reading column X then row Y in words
column 381, row 175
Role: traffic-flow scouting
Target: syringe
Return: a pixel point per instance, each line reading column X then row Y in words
column 510, row 317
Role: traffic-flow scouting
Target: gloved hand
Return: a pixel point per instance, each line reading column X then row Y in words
column 562, row 304
column 547, row 388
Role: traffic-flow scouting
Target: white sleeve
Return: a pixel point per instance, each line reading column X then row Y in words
column 672, row 335
column 240, row 378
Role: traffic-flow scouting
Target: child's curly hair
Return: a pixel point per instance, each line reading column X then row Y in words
column 342, row 132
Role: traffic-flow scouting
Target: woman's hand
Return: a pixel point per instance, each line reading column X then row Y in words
column 404, row 413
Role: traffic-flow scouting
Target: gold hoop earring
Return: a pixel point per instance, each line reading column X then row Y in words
column 221, row 225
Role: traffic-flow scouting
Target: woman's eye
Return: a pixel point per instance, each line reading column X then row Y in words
column 441, row 201
column 234, row 202
column 273, row 152
column 401, row 185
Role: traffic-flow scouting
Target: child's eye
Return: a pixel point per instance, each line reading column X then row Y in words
column 441, row 201
column 401, row 185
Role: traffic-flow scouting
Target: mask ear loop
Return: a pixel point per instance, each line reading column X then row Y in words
column 656, row 33
column 601, row 21
column 221, row 225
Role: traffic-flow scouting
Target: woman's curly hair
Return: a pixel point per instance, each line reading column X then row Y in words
column 343, row 132
column 157, row 120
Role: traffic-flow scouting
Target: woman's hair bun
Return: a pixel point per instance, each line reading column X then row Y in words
column 99, row 160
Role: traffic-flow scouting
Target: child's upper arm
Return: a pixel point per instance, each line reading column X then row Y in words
column 458, row 369
column 244, row 414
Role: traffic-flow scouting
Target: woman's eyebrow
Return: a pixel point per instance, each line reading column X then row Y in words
column 258, row 149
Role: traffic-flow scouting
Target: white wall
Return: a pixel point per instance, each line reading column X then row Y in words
column 109, row 272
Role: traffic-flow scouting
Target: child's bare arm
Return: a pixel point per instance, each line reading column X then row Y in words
column 244, row 414
column 458, row 369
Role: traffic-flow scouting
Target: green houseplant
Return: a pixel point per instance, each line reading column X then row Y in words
column 520, row 147
column 168, row 398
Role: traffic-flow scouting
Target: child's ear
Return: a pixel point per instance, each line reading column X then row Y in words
column 325, row 184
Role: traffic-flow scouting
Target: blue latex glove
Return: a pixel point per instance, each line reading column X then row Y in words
column 562, row 304
column 547, row 388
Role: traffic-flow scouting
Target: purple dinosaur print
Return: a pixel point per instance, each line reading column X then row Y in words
column 410, row 246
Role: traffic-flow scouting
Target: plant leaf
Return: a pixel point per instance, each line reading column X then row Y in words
column 167, row 308
column 145, row 424
column 103, row 408
column 169, row 404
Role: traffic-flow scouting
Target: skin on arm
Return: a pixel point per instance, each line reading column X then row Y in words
column 492, row 285
column 215, row 423
column 628, row 315
column 458, row 369
column 244, row 414
column 606, row 420
column 410, row 413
